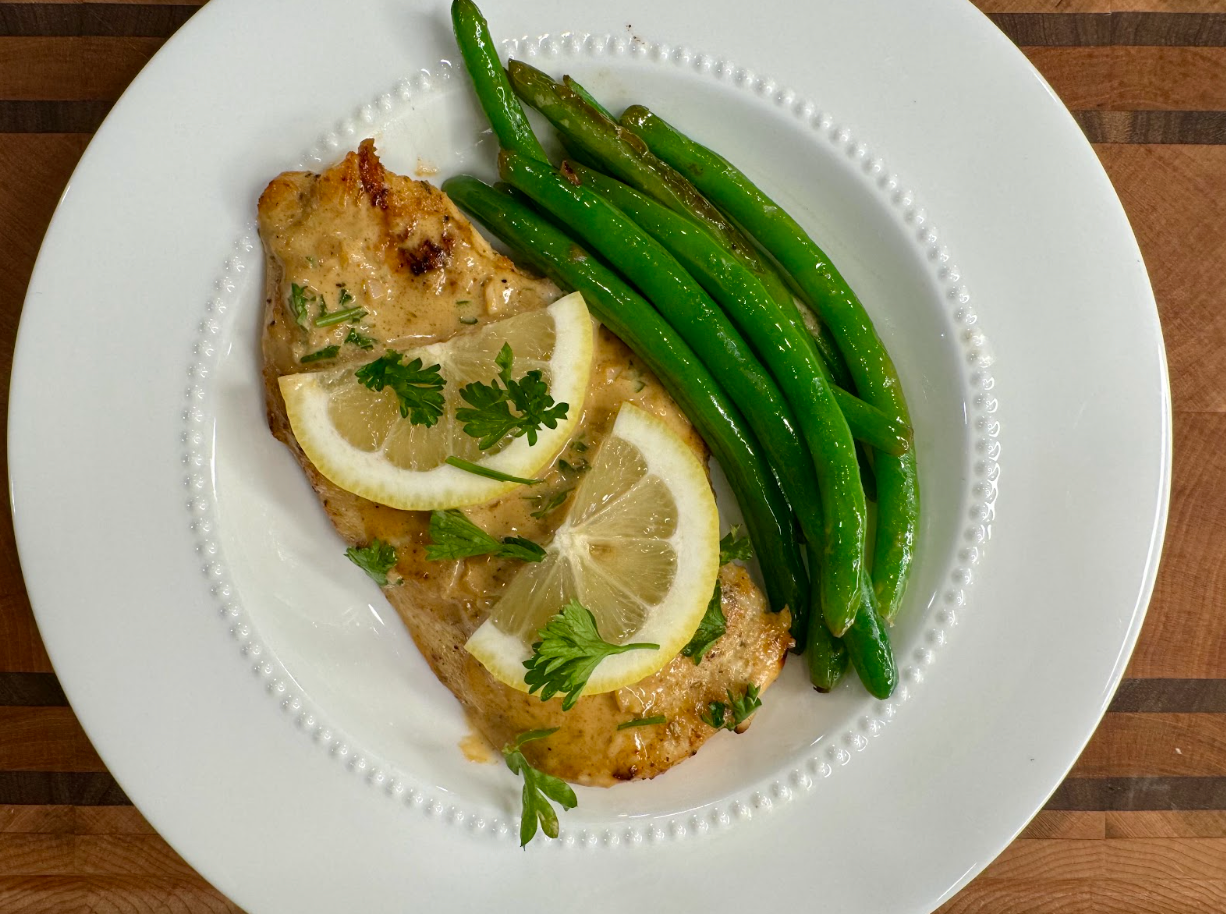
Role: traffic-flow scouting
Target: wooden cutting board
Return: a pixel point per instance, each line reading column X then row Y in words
column 1140, row 824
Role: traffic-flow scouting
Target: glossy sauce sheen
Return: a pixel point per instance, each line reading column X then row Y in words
column 422, row 274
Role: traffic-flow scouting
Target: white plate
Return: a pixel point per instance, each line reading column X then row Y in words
column 264, row 708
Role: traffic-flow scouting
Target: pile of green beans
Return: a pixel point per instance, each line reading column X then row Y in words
column 706, row 308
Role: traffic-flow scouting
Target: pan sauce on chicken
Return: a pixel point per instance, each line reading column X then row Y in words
column 410, row 259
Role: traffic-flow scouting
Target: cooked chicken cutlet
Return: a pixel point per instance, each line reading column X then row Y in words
column 400, row 250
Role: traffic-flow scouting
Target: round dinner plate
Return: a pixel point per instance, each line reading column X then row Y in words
column 262, row 705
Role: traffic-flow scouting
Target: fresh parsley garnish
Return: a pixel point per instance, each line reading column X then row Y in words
column 488, row 415
column 477, row 470
column 569, row 651
column 710, row 629
column 328, row 352
column 357, row 339
column 550, row 504
column 339, row 317
column 417, row 388
column 729, row 716
column 344, row 298
column 735, row 546
column 643, row 722
column 376, row 559
column 539, row 789
column 299, row 298
column 456, row 537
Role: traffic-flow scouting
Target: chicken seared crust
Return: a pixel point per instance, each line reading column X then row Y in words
column 403, row 253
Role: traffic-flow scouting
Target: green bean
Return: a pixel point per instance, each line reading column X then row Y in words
column 874, row 373
column 573, row 84
column 868, row 646
column 790, row 357
column 494, row 92
column 701, row 323
column 825, row 655
column 775, row 332
column 771, row 524
column 592, row 136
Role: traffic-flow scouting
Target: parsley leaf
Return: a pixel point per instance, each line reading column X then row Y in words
column 415, row 387
column 344, row 298
column 735, row 546
column 643, row 722
column 488, row 415
column 376, row 559
column 539, row 789
column 456, row 537
column 569, row 651
column 477, row 470
column 299, row 296
column 741, row 708
column 713, row 717
column 710, row 629
column 328, row 352
column 362, row 342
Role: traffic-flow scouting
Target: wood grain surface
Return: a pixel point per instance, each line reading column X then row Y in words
column 1140, row 823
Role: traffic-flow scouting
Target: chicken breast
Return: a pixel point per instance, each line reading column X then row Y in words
column 360, row 236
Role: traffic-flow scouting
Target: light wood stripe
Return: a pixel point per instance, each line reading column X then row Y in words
column 1111, row 858
column 1196, row 824
column 70, row 69
column 1177, row 220
column 81, row 820
column 1089, row 895
column 1067, row 825
column 1147, row 78
column 89, row 855
column 1155, row 745
column 44, row 739
column 110, row 895
column 1185, row 629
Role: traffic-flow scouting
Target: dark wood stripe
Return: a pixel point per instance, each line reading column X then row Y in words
column 1171, row 696
column 113, row 20
column 31, row 690
column 1139, row 794
column 60, row 788
column 1202, row 30
column 52, row 117
column 1185, row 127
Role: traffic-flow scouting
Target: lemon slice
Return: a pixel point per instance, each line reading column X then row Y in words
column 639, row 548
column 356, row 437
